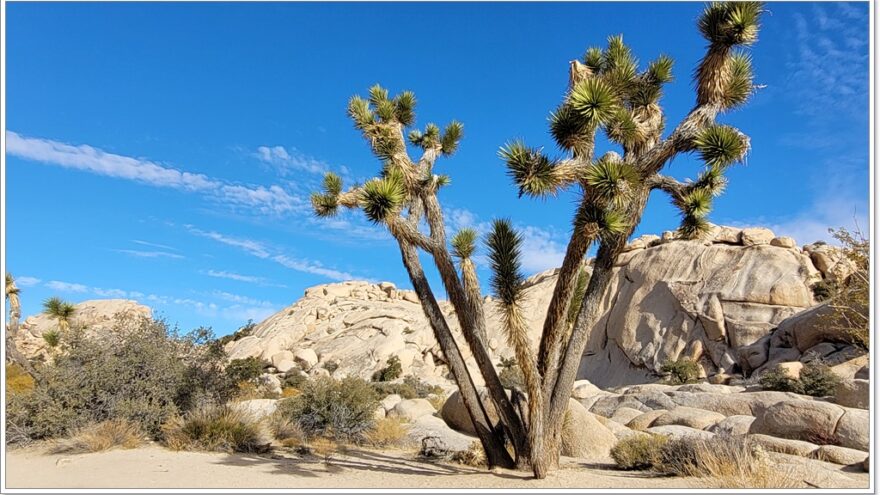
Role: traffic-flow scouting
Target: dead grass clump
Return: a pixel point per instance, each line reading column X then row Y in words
column 474, row 456
column 725, row 461
column 638, row 451
column 216, row 428
column 99, row 437
column 387, row 432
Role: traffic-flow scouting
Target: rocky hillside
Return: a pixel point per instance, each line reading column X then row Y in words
column 716, row 301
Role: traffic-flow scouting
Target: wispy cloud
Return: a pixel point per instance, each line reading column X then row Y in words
column 27, row 281
column 260, row 250
column 154, row 244
column 149, row 254
column 288, row 161
column 266, row 200
column 251, row 279
column 66, row 286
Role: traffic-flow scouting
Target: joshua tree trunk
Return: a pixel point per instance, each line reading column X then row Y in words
column 493, row 444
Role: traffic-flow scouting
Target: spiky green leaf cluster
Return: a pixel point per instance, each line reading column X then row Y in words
column 530, row 169
column 451, row 137
column 712, row 180
column 594, row 100
column 382, row 197
column 504, row 257
column 731, row 23
column 464, row 242
column 405, row 108
column 607, row 222
column 740, row 86
column 693, row 227
column 720, row 145
column 359, row 111
column 622, row 128
column 593, row 58
column 697, row 202
column 325, row 204
column 58, row 308
column 610, row 181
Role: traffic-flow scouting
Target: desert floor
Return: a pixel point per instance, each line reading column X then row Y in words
column 156, row 467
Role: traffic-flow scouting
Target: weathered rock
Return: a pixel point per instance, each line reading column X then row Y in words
column 784, row 242
column 456, row 416
column 853, row 429
column 390, row 401
column 756, row 236
column 853, row 393
column 732, row 425
column 784, row 445
column 583, row 389
column 271, row 382
column 791, row 368
column 306, row 358
column 814, row 473
column 678, row 431
column 728, row 235
column 583, row 436
column 285, row 365
column 606, row 406
column 688, row 416
column 645, row 420
column 623, row 415
column 840, row 455
column 798, row 419
column 411, row 409
column 443, row 440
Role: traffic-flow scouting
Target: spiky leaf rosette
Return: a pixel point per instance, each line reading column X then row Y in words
column 607, row 222
column 720, row 145
column 332, row 184
column 441, row 181
column 697, row 203
column 593, row 59
column 740, row 84
column 610, row 180
column 360, row 113
column 660, row 70
column 693, row 227
column 464, row 243
column 385, row 143
column 382, row 197
column 594, row 100
column 404, row 108
column 530, row 169
column 451, row 137
column 731, row 23
column 504, row 257
column 623, row 129
column 11, row 289
column 712, row 181
column 570, row 131
column 378, row 94
column 415, row 137
column 324, row 205
column 58, row 308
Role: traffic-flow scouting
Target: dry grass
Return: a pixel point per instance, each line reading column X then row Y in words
column 223, row 428
column 638, row 452
column 731, row 462
column 325, row 447
column 473, row 456
column 17, row 380
column 387, row 432
column 288, row 392
column 100, row 437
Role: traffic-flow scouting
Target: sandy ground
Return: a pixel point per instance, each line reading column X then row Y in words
column 156, row 467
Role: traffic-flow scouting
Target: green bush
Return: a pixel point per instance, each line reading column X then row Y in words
column 411, row 388
column 777, row 379
column 52, row 338
column 681, row 371
column 341, row 409
column 239, row 334
column 638, row 451
column 818, row 380
column 138, row 371
column 246, row 370
column 391, row 371
column 294, row 378
column 215, row 428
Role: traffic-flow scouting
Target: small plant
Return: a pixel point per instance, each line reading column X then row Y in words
column 100, row 437
column 285, row 430
column 339, row 409
column 215, row 428
column 52, row 338
column 818, row 380
column 248, row 369
column 239, row 334
column 777, row 379
column 391, row 371
column 681, row 371
column 331, row 366
column 387, row 432
column 288, row 392
column 294, row 378
column 411, row 388
column 638, row 451
column 823, row 290
column 474, row 456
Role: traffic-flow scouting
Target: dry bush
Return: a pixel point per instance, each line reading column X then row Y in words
column 285, row 430
column 288, row 392
column 100, row 437
column 474, row 456
column 387, row 432
column 736, row 462
column 325, row 447
column 681, row 371
column 638, row 451
column 339, row 409
column 216, row 428
column 17, row 380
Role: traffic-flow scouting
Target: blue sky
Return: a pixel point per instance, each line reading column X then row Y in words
column 165, row 152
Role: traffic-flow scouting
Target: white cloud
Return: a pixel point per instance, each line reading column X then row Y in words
column 66, row 287
column 313, row 267
column 265, row 200
column 149, row 254
column 114, row 293
column 234, row 276
column 27, row 281
column 254, row 248
column 539, row 250
column 291, row 161
column 155, row 245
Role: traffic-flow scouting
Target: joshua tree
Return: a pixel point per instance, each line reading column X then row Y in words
column 61, row 311
column 606, row 92
column 14, row 300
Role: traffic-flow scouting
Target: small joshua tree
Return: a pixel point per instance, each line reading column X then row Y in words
column 606, row 93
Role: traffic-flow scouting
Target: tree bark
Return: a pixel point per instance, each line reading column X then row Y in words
column 493, row 444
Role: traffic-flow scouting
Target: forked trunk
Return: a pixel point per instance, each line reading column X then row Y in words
column 493, row 444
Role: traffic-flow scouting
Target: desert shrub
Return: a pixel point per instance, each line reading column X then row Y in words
column 474, row 456
column 52, row 338
column 681, row 371
column 818, row 380
column 215, row 428
column 339, row 409
column 239, row 334
column 247, row 369
column 777, row 379
column 678, row 457
column 285, row 429
column 138, row 371
column 100, row 437
column 411, row 388
column 331, row 366
column 17, row 380
column 294, row 378
column 386, row 432
column 849, row 300
column 391, row 371
column 638, row 451
column 823, row 289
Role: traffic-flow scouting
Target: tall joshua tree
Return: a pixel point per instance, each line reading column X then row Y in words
column 606, row 93
column 62, row 311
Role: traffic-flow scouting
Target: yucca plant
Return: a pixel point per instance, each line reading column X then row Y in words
column 13, row 298
column 59, row 310
column 608, row 93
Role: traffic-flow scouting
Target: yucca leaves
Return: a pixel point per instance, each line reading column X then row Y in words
column 464, row 242
column 693, row 227
column 405, row 108
column 451, row 137
column 504, row 257
column 59, row 309
column 712, row 181
column 530, row 169
column 332, row 184
column 611, row 180
column 386, row 109
column 324, row 205
column 660, row 70
column 441, row 181
column 731, row 23
column 593, row 59
column 415, row 137
column 697, row 202
column 594, row 100
column 359, row 111
column 567, row 128
column 607, row 222
column 740, row 84
column 378, row 94
column 622, row 128
column 720, row 145
column 382, row 197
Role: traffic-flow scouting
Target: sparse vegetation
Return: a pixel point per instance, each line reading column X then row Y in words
column 114, row 433
column 638, row 451
column 239, row 334
column 816, row 379
column 338, row 409
column 391, row 371
column 474, row 456
column 849, row 299
column 681, row 371
column 52, row 338
column 386, row 432
column 215, row 428
column 246, row 370
column 330, row 366
column 779, row 380
column 17, row 380
column 412, row 387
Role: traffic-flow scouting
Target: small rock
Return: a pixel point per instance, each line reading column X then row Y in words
column 645, row 420
column 756, row 236
column 411, row 409
column 783, row 242
column 732, row 425
column 689, row 416
column 853, row 393
column 306, row 358
column 678, row 431
column 840, row 455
